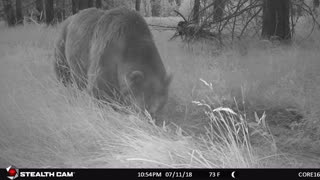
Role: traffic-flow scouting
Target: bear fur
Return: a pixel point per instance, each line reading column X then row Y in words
column 112, row 55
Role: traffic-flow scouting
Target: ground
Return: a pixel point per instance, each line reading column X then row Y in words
column 216, row 95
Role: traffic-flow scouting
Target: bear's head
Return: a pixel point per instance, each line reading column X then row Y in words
column 147, row 92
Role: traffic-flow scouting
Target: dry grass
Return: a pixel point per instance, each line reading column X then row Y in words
column 44, row 124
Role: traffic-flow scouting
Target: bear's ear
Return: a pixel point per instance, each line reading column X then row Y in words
column 135, row 77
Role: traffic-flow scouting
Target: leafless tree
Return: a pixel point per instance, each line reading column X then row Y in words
column 218, row 9
column 49, row 12
column 39, row 8
column 276, row 19
column 138, row 3
column 19, row 18
column 75, row 6
column 9, row 12
column 196, row 11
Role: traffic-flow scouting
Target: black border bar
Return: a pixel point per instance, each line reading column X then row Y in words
column 164, row 174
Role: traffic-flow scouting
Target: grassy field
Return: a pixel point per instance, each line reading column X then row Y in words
column 250, row 104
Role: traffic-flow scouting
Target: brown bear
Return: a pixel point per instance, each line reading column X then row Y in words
column 112, row 55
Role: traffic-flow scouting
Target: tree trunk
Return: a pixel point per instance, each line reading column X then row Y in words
column 276, row 19
column 60, row 10
column 90, row 3
column 75, row 6
column 218, row 8
column 39, row 7
column 196, row 10
column 178, row 2
column 98, row 4
column 155, row 8
column 299, row 7
column 83, row 4
column 138, row 3
column 49, row 12
column 63, row 10
column 316, row 3
column 19, row 18
column 9, row 12
column 147, row 8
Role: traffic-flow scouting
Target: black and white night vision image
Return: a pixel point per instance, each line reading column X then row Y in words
column 159, row 84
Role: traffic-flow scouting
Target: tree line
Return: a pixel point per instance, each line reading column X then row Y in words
column 208, row 19
column 46, row 10
column 52, row 11
column 274, row 19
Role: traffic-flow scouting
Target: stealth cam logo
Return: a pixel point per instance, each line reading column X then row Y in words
column 12, row 172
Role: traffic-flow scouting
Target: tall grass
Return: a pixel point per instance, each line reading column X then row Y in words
column 44, row 124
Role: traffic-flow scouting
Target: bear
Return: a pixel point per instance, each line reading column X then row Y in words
column 112, row 55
